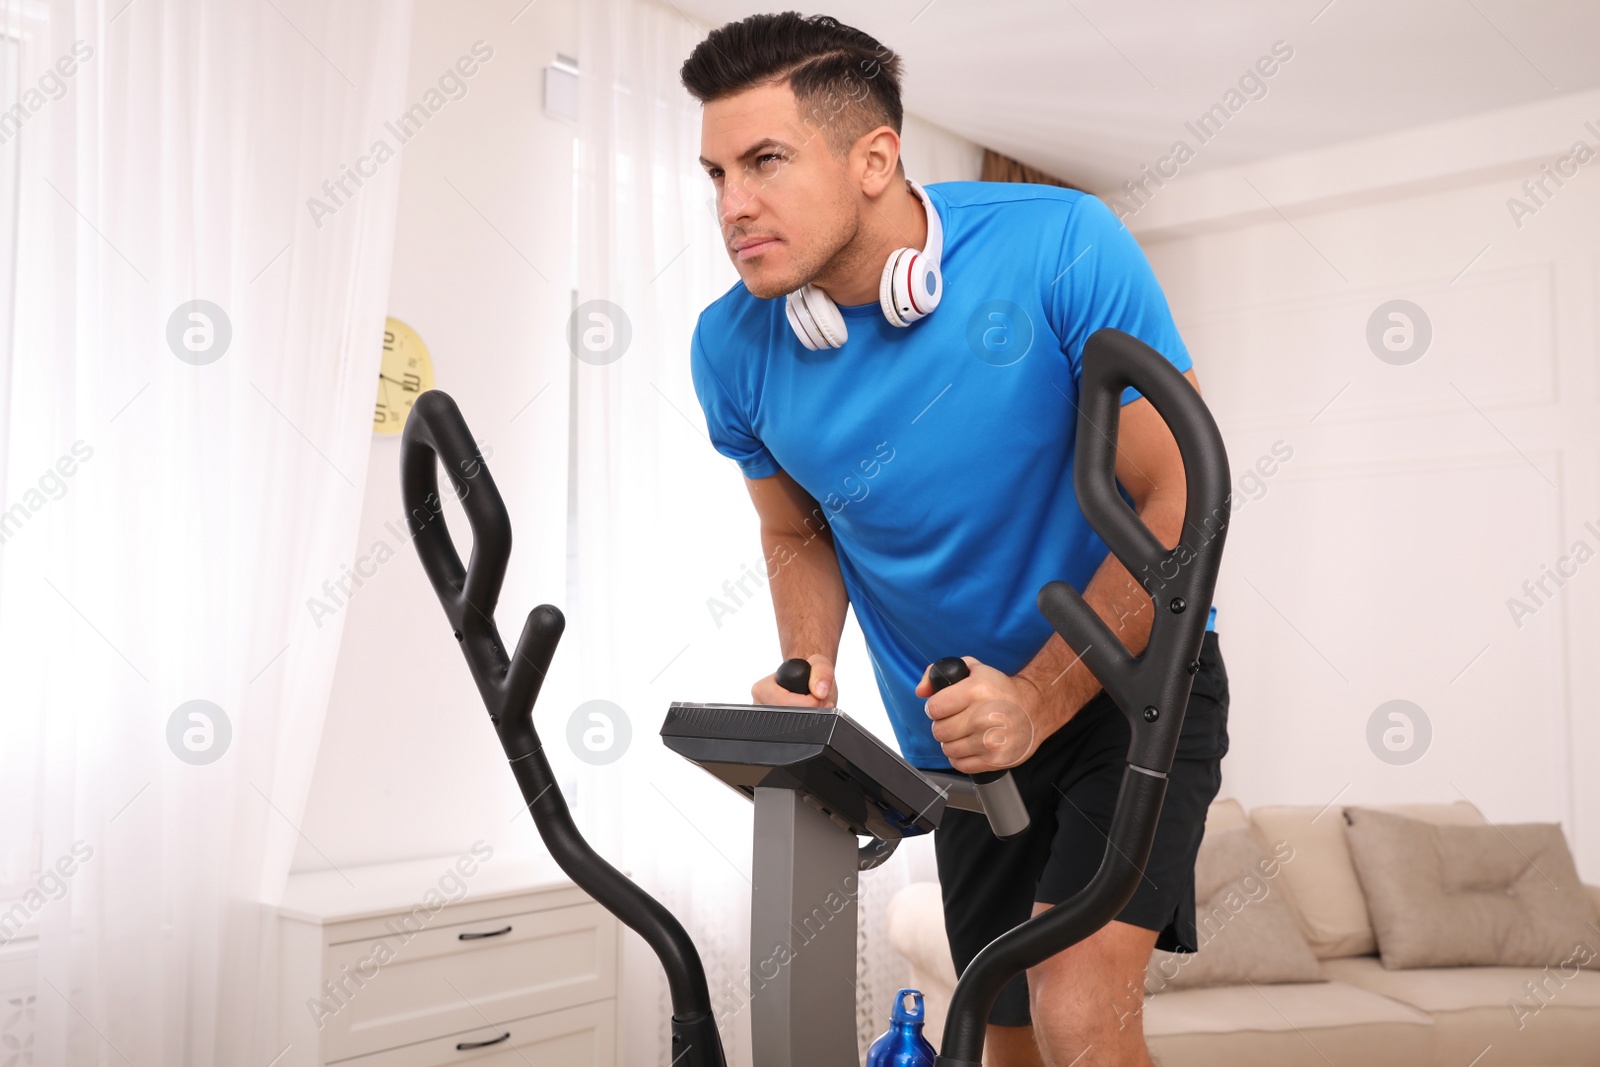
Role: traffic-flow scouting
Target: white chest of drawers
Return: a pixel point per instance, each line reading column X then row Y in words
column 457, row 960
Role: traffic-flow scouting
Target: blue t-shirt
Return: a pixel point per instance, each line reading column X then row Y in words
column 941, row 453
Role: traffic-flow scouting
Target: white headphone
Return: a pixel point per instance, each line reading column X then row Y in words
column 910, row 289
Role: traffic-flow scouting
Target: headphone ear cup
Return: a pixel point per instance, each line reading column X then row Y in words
column 891, row 295
column 816, row 318
column 821, row 314
column 800, row 321
column 910, row 287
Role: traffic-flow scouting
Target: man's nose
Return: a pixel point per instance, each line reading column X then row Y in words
column 736, row 203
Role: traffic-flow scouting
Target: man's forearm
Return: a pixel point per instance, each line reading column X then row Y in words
column 808, row 594
column 1058, row 672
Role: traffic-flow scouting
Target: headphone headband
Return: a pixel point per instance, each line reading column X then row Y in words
column 933, row 248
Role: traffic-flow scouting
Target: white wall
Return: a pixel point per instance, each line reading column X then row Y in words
column 1377, row 563
column 932, row 153
column 409, row 766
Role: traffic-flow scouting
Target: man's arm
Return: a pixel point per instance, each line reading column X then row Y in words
column 991, row 719
column 1150, row 467
column 808, row 593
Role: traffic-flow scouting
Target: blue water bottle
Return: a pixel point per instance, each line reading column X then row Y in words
column 903, row 1045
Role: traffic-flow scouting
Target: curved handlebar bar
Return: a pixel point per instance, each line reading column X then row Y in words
column 435, row 434
column 1153, row 689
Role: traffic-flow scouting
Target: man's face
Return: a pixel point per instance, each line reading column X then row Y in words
column 784, row 201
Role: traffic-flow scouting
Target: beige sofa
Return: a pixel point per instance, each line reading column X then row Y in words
column 1362, row 1015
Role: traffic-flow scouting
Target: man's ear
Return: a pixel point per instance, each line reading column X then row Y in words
column 879, row 160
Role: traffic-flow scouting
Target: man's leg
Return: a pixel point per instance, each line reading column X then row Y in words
column 1011, row 1046
column 1087, row 1002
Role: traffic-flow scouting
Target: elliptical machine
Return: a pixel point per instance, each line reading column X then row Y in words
column 818, row 779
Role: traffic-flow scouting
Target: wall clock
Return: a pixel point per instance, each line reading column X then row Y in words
column 405, row 374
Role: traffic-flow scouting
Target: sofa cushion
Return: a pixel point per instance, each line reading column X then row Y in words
column 1527, row 1014
column 1447, row 896
column 1285, row 1025
column 1320, row 876
column 1246, row 931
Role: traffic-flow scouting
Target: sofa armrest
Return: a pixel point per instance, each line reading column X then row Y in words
column 916, row 930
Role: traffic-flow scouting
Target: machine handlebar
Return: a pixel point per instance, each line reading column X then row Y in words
column 435, row 434
column 1152, row 690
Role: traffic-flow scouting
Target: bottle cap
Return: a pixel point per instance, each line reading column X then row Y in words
column 907, row 1006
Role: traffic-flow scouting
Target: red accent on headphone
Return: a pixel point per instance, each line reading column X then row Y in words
column 911, row 292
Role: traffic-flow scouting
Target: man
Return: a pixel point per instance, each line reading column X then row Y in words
column 923, row 474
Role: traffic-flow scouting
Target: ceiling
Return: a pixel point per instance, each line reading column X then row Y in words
column 1093, row 90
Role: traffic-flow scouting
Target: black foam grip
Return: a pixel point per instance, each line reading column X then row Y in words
column 795, row 676
column 947, row 672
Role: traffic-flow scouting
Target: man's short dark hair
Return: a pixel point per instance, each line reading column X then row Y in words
column 844, row 82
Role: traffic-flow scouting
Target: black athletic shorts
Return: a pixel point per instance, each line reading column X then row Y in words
column 1070, row 788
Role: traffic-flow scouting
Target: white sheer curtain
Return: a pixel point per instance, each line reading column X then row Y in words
column 171, row 501
column 663, row 523
column 660, row 519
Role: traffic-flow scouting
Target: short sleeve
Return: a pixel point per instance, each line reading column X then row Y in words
column 726, row 422
column 1103, row 279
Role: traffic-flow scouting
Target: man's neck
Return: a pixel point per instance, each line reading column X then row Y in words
column 896, row 219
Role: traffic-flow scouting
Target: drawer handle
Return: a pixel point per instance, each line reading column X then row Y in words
column 464, row 1046
column 480, row 937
